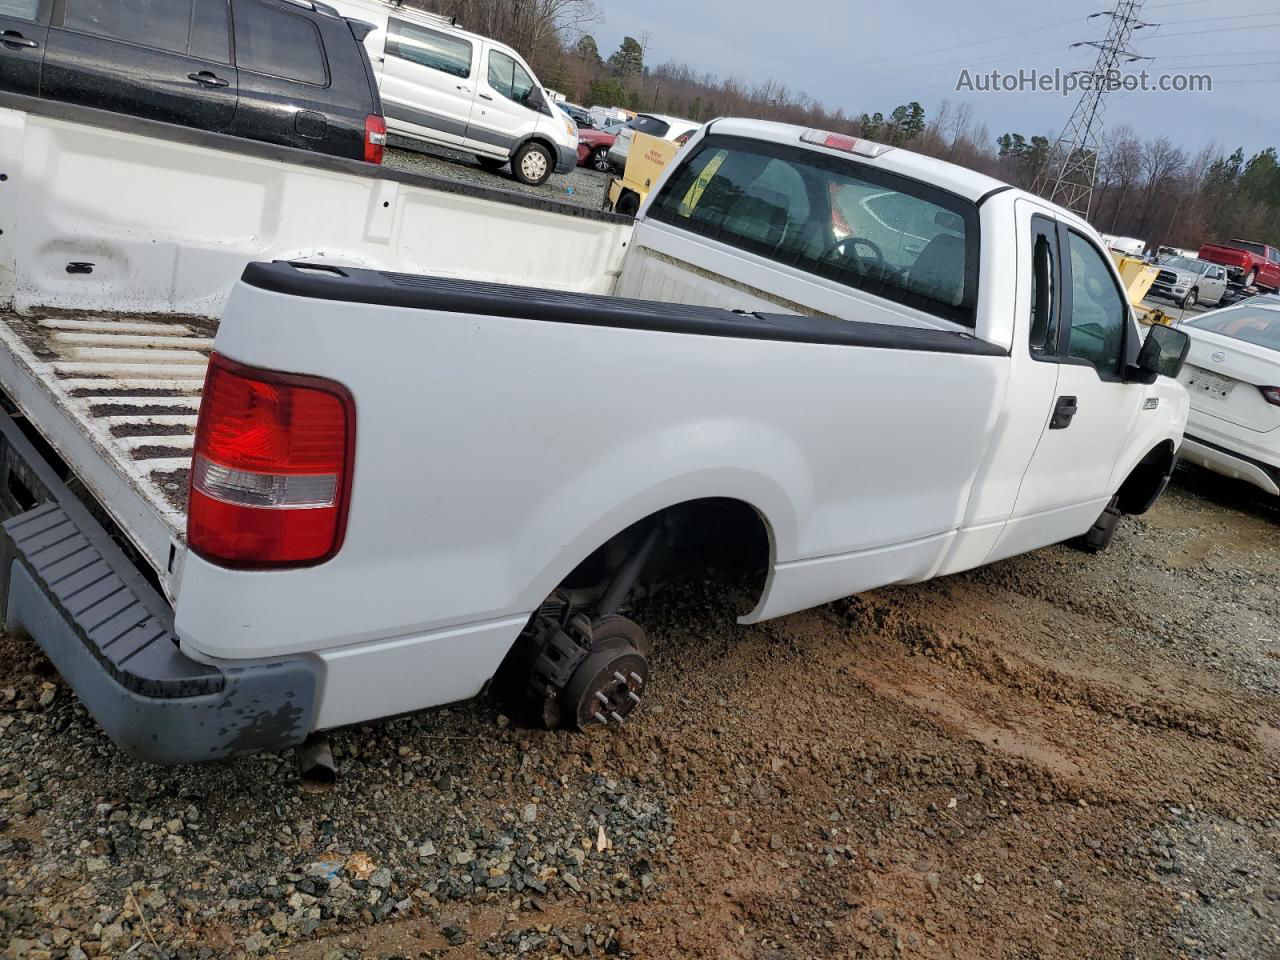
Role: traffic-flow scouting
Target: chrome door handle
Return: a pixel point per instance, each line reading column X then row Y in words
column 12, row 38
column 208, row 79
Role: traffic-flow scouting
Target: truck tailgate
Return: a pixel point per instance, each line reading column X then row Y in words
column 117, row 397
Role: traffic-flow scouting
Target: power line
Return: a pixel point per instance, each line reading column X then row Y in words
column 1075, row 166
column 1241, row 16
column 1200, row 33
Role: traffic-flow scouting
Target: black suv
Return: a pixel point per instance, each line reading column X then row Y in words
column 291, row 72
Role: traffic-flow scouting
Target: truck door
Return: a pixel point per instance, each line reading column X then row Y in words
column 24, row 30
column 1270, row 274
column 428, row 82
column 164, row 60
column 1093, row 412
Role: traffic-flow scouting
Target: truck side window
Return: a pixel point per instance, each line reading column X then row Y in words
column 1099, row 313
column 429, row 48
column 831, row 217
column 1045, row 296
column 159, row 24
column 509, row 78
column 277, row 43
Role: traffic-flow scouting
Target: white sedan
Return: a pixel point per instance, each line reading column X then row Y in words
column 1233, row 375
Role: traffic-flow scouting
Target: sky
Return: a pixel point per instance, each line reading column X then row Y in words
column 866, row 56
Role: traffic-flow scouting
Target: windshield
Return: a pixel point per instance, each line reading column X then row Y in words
column 1256, row 325
column 1183, row 263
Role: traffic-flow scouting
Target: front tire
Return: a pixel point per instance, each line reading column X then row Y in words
column 532, row 164
column 1190, row 300
column 1249, row 277
column 1103, row 530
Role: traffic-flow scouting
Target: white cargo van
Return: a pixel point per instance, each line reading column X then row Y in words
column 442, row 85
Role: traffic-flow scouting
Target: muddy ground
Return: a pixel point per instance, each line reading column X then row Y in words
column 1057, row 756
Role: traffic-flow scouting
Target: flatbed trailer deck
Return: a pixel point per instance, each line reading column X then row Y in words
column 117, row 396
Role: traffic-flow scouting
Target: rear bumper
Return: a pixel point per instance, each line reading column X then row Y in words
column 1228, row 464
column 66, row 584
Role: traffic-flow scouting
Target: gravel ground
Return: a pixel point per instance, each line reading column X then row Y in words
column 582, row 187
column 1056, row 756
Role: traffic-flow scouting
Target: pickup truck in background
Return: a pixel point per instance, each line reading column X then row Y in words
column 1248, row 264
column 1189, row 282
column 418, row 456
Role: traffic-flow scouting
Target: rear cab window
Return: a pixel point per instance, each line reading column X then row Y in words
column 839, row 219
column 429, row 48
column 279, row 43
column 1255, row 248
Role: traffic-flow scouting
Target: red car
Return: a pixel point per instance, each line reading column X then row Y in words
column 1247, row 263
column 593, row 147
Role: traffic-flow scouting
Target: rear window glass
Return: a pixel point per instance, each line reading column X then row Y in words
column 161, row 24
column 429, row 48
column 278, row 43
column 1257, row 248
column 834, row 218
column 1257, row 325
column 650, row 125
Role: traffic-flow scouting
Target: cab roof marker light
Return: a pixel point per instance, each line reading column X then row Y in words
column 845, row 143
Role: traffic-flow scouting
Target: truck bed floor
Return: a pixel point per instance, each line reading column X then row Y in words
column 117, row 396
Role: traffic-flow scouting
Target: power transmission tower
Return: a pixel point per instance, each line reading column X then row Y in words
column 1074, row 162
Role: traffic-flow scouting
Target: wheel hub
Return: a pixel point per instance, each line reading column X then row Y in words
column 607, row 686
column 534, row 165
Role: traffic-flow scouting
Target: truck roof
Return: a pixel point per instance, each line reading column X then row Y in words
column 952, row 177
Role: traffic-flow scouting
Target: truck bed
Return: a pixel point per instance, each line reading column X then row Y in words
column 117, row 397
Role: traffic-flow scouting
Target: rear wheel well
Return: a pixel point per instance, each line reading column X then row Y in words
column 1147, row 480
column 717, row 538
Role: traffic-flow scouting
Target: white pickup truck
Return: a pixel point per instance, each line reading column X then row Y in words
column 436, row 442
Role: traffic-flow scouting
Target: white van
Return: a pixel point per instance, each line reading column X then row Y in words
column 444, row 86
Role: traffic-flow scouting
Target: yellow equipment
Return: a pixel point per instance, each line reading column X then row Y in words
column 1138, row 276
column 647, row 157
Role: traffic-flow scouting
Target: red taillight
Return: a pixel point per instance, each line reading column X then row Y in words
column 271, row 473
column 1272, row 394
column 375, row 138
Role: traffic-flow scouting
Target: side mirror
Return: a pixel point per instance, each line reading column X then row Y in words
column 535, row 98
column 1164, row 352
